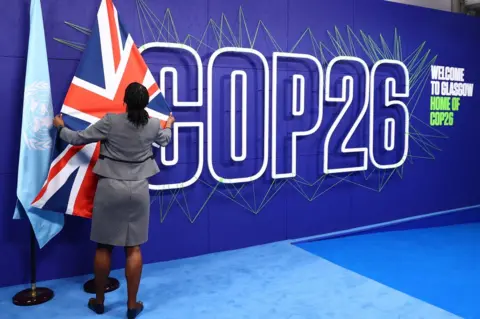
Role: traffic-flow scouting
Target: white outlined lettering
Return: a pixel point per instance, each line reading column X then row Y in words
column 296, row 111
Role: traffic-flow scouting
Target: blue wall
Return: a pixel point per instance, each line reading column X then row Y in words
column 440, row 174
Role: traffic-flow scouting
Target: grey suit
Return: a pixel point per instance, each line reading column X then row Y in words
column 122, row 201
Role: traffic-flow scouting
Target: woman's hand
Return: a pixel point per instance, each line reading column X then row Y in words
column 58, row 121
column 170, row 121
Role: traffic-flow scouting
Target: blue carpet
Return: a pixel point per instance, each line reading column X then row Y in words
column 277, row 281
column 438, row 265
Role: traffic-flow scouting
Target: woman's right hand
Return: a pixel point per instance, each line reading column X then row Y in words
column 170, row 121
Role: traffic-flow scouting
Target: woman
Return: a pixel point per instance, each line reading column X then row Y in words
column 122, row 204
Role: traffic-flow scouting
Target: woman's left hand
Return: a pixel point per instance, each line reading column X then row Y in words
column 58, row 121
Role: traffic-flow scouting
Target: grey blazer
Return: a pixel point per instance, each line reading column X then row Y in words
column 125, row 150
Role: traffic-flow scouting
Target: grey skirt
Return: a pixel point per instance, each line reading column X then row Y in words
column 121, row 212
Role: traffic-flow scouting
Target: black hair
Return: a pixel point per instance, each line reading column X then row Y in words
column 136, row 98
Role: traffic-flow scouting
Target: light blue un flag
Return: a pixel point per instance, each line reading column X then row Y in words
column 37, row 134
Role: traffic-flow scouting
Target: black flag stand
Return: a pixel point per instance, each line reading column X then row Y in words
column 112, row 285
column 33, row 295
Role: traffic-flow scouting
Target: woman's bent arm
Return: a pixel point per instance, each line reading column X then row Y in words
column 164, row 137
column 94, row 133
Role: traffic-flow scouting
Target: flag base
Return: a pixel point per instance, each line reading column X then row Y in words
column 32, row 297
column 112, row 285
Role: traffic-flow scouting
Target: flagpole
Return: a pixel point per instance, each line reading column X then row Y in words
column 33, row 295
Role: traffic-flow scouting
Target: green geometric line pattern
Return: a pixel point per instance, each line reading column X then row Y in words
column 350, row 43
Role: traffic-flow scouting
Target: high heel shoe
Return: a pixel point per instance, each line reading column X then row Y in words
column 96, row 307
column 133, row 313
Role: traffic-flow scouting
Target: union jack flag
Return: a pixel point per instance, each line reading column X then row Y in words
column 110, row 62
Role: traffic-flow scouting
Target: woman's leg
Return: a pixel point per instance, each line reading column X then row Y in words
column 133, row 272
column 102, row 264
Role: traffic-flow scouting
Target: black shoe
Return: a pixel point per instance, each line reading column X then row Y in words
column 96, row 307
column 133, row 313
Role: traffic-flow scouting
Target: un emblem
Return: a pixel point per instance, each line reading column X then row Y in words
column 36, row 131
